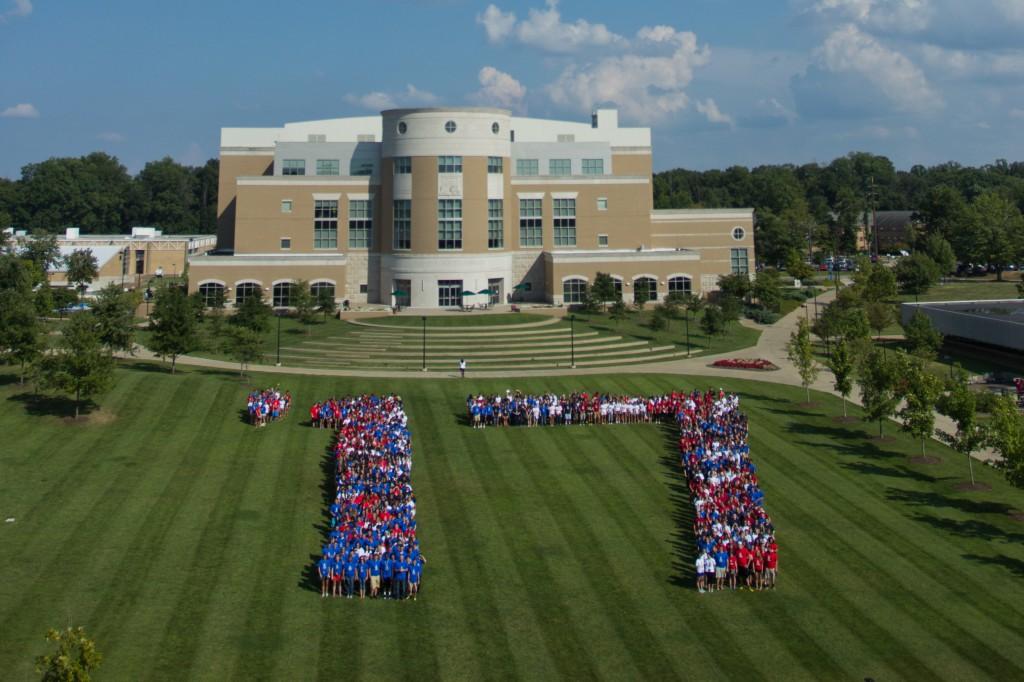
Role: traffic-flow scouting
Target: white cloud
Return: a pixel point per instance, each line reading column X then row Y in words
column 111, row 137
column 496, row 23
column 901, row 16
column 712, row 113
column 23, row 110
column 544, row 28
column 967, row 64
column 773, row 107
column 644, row 86
column 22, row 8
column 379, row 101
column 848, row 50
column 499, row 88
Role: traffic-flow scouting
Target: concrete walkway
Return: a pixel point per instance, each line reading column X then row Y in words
column 770, row 346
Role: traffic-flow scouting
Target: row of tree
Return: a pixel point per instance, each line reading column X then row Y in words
column 976, row 209
column 97, row 194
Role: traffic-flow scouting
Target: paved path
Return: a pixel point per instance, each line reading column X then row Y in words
column 770, row 346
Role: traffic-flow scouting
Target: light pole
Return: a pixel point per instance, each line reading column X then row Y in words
column 424, row 318
column 572, row 341
column 279, row 315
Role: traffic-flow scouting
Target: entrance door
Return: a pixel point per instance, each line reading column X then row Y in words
column 497, row 288
column 401, row 290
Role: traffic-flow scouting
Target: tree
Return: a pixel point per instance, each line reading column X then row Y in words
column 78, row 365
column 114, row 309
column 796, row 267
column 801, row 354
column 658, row 319
column 618, row 311
column 641, row 293
column 879, row 315
column 842, row 366
column 922, row 337
column 767, row 289
column 21, row 338
column 42, row 250
column 875, row 282
column 325, row 302
column 917, row 273
column 877, row 381
column 603, row 289
column 712, row 322
column 961, row 405
column 940, row 251
column 254, row 314
column 998, row 230
column 173, row 324
column 82, row 269
column 75, row 657
column 304, row 304
column 736, row 285
column 1006, row 435
column 168, row 191
column 920, row 390
column 245, row 346
column 43, row 300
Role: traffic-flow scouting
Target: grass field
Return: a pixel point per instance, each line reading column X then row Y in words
column 460, row 320
column 183, row 540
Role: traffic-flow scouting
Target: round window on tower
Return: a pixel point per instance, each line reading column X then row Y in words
column 495, row 128
column 450, row 126
column 402, row 127
column 738, row 233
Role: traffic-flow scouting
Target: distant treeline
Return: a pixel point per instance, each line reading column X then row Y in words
column 97, row 194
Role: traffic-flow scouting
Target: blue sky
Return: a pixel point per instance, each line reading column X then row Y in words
column 721, row 82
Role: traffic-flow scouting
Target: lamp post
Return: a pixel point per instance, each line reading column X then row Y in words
column 279, row 316
column 424, row 318
column 572, row 341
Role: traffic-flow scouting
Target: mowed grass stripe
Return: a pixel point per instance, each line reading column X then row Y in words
column 860, row 549
column 912, row 569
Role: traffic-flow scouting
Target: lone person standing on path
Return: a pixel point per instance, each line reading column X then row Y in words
column 462, row 368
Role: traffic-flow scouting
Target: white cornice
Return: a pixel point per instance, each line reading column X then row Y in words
column 305, row 181
column 264, row 259
column 580, row 180
column 701, row 214
column 622, row 256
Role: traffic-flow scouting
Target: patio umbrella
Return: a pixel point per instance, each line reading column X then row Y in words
column 399, row 293
column 468, row 293
column 519, row 287
column 487, row 292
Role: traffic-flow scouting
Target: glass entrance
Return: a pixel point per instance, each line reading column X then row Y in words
column 497, row 289
column 449, row 293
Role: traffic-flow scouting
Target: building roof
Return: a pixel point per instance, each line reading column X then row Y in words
column 103, row 254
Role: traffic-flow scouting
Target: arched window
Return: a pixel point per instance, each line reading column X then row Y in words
column 617, row 283
column 645, row 289
column 212, row 294
column 246, row 290
column 574, row 290
column 319, row 289
column 282, row 294
column 680, row 285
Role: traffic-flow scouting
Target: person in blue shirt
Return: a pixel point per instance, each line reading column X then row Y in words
column 385, row 570
column 414, row 578
column 398, row 582
column 363, row 576
column 350, row 576
column 721, row 564
column 374, row 566
column 323, row 567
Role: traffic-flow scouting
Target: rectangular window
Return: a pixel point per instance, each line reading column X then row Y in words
column 530, row 223
column 449, row 293
column 364, row 288
column 360, row 167
column 559, row 167
column 286, row 206
column 449, row 223
column 449, row 164
column 602, row 240
column 495, row 224
column 286, row 243
column 293, row 167
column 403, row 224
column 527, row 167
column 602, row 203
column 403, row 165
column 593, row 166
column 325, row 224
column 739, row 262
column 360, row 224
column 328, row 167
column 140, row 261
column 495, row 164
column 565, row 222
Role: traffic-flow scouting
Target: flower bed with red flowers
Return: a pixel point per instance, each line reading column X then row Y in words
column 734, row 363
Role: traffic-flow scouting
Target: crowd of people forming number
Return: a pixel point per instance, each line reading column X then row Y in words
column 371, row 549
column 736, row 547
column 267, row 405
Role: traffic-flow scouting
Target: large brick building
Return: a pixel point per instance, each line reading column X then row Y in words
column 417, row 206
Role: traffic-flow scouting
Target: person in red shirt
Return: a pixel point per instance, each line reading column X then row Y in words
column 772, row 566
column 733, row 569
column 759, row 569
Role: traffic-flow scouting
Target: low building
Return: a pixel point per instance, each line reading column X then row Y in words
column 998, row 323
column 429, row 208
column 130, row 259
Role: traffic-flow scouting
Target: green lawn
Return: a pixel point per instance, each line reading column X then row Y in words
column 966, row 290
column 183, row 540
column 471, row 319
column 637, row 326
